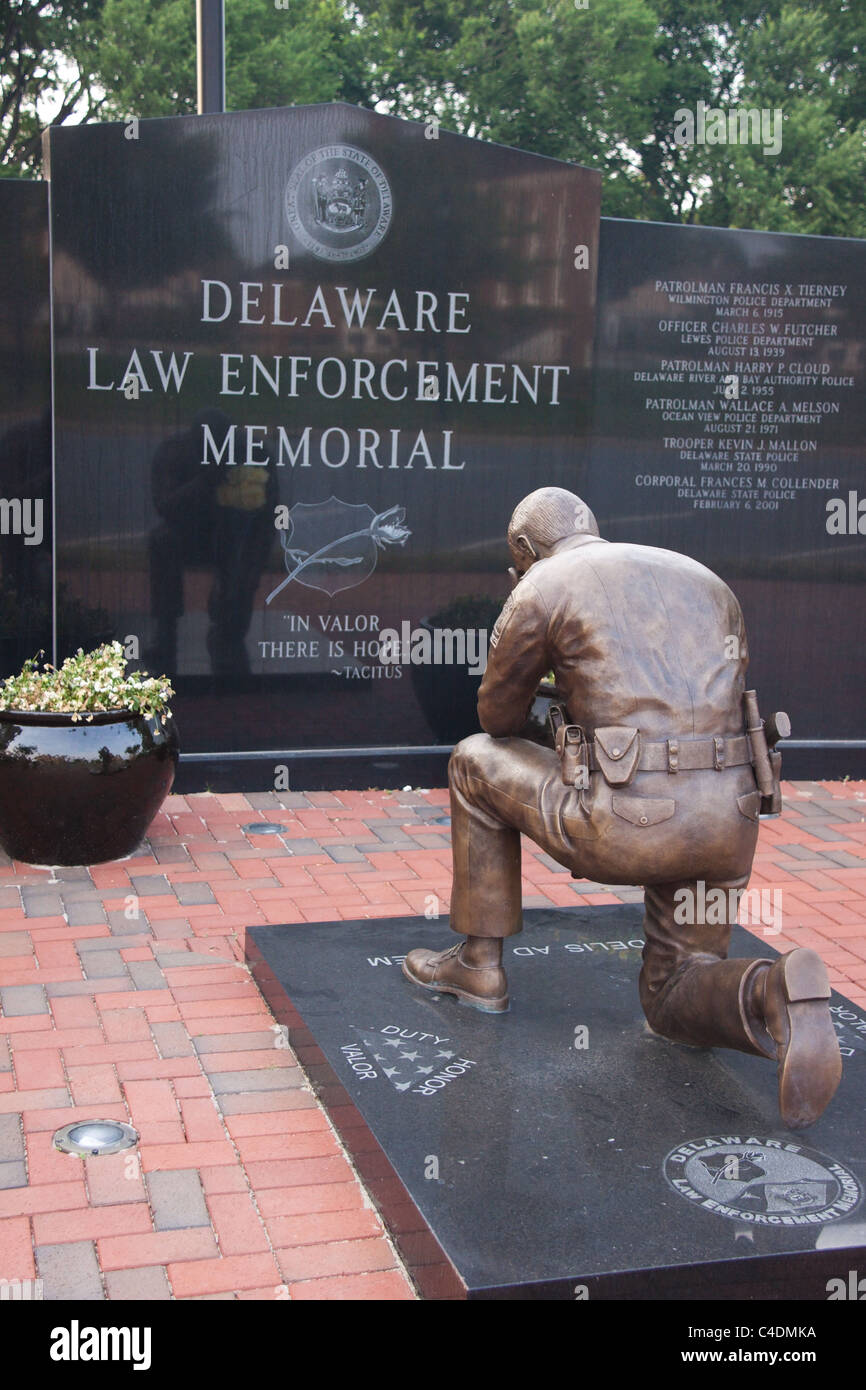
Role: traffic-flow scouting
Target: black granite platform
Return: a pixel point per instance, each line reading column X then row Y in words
column 562, row 1150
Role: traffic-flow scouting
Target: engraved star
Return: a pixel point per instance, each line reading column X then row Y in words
column 424, row 1071
column 411, row 1056
column 445, row 1054
column 391, row 1071
column 404, row 1087
column 392, row 1042
column 378, row 1057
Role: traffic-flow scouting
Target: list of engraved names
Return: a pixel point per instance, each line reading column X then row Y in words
column 746, row 377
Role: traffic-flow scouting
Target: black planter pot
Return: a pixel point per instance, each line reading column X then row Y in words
column 81, row 793
column 448, row 695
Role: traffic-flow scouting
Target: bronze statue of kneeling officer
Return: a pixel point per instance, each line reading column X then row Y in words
column 660, row 775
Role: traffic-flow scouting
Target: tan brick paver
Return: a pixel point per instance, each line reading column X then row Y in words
column 156, row 1019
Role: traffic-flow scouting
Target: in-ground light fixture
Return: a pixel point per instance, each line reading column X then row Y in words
column 95, row 1138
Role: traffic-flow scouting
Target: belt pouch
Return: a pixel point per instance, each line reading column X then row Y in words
column 617, row 752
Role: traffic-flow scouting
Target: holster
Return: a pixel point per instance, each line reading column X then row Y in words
column 571, row 748
column 766, row 761
column 772, row 805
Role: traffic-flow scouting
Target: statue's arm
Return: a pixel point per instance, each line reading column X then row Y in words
column 517, row 660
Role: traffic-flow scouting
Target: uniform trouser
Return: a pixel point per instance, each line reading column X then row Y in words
column 690, row 992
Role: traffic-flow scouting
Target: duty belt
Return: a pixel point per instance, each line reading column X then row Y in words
column 686, row 755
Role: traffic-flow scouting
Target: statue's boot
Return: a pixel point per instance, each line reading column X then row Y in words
column 788, row 1016
column 483, row 987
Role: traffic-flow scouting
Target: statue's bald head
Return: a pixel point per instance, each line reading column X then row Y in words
column 546, row 516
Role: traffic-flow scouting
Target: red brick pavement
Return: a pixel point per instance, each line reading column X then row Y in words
column 147, row 1012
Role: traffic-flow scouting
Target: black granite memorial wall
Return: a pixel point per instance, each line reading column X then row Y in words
column 730, row 423
column 25, row 425
column 305, row 360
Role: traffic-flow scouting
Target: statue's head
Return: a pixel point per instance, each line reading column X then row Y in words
column 543, row 519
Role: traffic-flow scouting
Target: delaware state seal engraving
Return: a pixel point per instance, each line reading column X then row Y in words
column 339, row 203
column 767, row 1182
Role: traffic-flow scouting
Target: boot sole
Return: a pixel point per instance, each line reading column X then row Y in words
column 472, row 1001
column 811, row 1068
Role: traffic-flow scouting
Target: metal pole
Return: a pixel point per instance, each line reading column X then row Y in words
column 210, row 34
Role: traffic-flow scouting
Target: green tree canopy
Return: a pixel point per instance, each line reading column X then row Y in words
column 46, row 53
column 602, row 86
column 304, row 53
column 599, row 82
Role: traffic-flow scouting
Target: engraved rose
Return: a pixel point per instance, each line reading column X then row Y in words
column 385, row 529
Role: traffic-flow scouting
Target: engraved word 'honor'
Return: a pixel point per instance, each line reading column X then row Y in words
column 338, row 202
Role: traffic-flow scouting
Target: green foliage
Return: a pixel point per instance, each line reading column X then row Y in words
column 87, row 682
column 46, row 56
column 598, row 85
column 815, row 183
column 146, row 58
column 601, row 86
column 304, row 53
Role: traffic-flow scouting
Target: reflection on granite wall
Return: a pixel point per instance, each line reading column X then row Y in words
column 25, row 425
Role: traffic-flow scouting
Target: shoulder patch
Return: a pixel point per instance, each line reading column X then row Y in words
column 507, row 609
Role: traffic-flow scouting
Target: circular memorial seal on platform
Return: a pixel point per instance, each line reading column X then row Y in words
column 338, row 202
column 765, row 1182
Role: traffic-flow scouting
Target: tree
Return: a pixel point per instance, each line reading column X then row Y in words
column 602, row 86
column 46, row 52
column 146, row 56
column 76, row 59
column 814, row 184
column 599, row 84
column 548, row 77
column 307, row 52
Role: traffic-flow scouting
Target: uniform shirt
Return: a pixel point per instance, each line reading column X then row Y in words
column 635, row 635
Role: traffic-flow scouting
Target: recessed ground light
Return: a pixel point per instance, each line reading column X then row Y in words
column 94, row 1138
column 440, row 820
column 263, row 827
